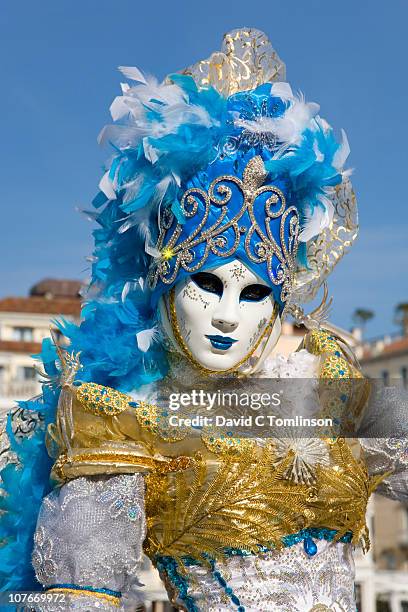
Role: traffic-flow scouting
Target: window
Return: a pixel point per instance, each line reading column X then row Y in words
column 390, row 559
column 26, row 373
column 383, row 606
column 23, row 334
column 404, row 376
column 385, row 378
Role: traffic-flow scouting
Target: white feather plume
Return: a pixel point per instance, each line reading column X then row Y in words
column 282, row 90
column 169, row 100
column 106, row 186
column 342, row 152
column 289, row 127
column 318, row 220
column 132, row 73
column 146, row 337
column 119, row 108
column 150, row 152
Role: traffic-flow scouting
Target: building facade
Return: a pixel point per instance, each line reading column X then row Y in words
column 24, row 323
column 386, row 359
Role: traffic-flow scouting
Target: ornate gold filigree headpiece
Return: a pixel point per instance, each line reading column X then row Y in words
column 246, row 60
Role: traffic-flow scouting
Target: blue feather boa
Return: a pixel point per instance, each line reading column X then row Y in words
column 24, row 485
column 106, row 340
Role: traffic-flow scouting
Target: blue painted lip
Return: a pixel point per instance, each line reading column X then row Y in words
column 222, row 343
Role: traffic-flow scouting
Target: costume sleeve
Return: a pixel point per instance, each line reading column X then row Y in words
column 88, row 542
column 101, row 431
column 384, row 440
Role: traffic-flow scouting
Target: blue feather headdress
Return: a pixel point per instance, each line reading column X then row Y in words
column 180, row 134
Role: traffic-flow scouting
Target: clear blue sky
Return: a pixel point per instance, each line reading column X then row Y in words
column 58, row 63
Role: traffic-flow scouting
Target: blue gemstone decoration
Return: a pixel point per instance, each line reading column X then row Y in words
column 318, row 533
column 179, row 581
column 133, row 404
column 310, row 547
column 133, row 513
column 228, row 590
column 77, row 383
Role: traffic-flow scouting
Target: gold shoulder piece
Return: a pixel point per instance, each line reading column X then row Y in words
column 344, row 390
column 319, row 341
column 107, row 402
column 339, row 361
column 100, row 400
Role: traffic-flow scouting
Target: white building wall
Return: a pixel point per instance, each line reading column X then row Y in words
column 11, row 322
column 18, row 381
column 392, row 365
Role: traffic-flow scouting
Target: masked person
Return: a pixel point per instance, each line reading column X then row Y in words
column 225, row 205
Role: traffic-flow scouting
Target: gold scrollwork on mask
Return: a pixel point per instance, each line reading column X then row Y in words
column 223, row 236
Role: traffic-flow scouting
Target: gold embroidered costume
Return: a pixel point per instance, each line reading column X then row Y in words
column 205, row 494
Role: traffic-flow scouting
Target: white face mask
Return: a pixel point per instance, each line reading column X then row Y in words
column 222, row 313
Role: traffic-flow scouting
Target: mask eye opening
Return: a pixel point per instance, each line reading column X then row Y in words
column 255, row 293
column 208, row 282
